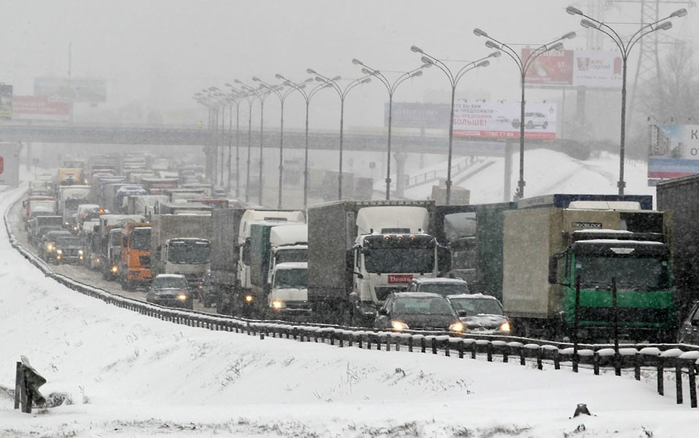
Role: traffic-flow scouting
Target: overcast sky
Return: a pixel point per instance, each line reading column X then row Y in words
column 161, row 52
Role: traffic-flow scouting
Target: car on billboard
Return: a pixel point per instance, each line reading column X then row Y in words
column 532, row 120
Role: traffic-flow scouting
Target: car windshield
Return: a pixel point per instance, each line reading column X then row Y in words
column 444, row 289
column 477, row 306
column 422, row 306
column 170, row 283
column 67, row 241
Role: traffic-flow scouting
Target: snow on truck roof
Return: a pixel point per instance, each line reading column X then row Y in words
column 374, row 219
column 291, row 265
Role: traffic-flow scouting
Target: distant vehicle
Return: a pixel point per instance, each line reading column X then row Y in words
column 441, row 286
column 47, row 248
column 69, row 249
column 689, row 330
column 483, row 314
column 417, row 311
column 532, row 120
column 170, row 290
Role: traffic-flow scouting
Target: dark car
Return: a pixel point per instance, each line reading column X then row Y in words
column 417, row 311
column 689, row 330
column 171, row 290
column 47, row 247
column 481, row 314
column 70, row 249
column 441, row 286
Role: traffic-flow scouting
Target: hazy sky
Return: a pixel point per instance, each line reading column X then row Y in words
column 161, row 52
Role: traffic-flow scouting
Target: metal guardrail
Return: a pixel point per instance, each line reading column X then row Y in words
column 681, row 359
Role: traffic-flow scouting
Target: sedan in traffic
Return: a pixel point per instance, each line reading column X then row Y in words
column 171, row 290
column 417, row 311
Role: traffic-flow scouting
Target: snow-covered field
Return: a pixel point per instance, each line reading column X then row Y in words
column 131, row 375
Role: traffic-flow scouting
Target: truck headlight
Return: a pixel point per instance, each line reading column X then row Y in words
column 278, row 304
column 249, row 299
column 115, row 269
column 49, row 248
column 59, row 251
column 505, row 327
column 399, row 326
column 81, row 252
column 457, row 327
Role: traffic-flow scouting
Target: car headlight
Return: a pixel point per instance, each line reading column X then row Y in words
column 182, row 297
column 249, row 298
column 115, row 269
column 81, row 252
column 399, row 326
column 49, row 248
column 277, row 304
column 59, row 251
column 457, row 327
column 505, row 327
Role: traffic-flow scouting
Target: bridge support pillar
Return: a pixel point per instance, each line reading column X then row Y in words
column 400, row 157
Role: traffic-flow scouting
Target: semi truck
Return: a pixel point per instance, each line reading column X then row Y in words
column 361, row 251
column 69, row 197
column 680, row 197
column 230, row 261
column 181, row 244
column 105, row 253
column 135, row 263
column 574, row 263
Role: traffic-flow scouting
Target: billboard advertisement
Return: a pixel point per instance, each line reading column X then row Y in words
column 76, row 90
column 5, row 101
column 418, row 115
column 673, row 152
column 494, row 120
column 9, row 164
column 550, row 68
column 574, row 68
column 39, row 108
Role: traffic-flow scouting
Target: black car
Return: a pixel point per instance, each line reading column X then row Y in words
column 171, row 290
column 483, row 314
column 417, row 311
column 69, row 249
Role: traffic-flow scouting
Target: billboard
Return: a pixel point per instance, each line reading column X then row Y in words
column 418, row 115
column 39, row 108
column 5, row 101
column 574, row 68
column 673, row 152
column 9, row 163
column 494, row 120
column 76, row 90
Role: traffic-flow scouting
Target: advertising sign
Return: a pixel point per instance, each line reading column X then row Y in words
column 550, row 68
column 418, row 115
column 76, row 90
column 9, row 164
column 5, row 101
column 673, row 152
column 493, row 120
column 576, row 68
column 39, row 108
column 597, row 69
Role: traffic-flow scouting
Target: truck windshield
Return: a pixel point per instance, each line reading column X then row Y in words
column 140, row 239
column 292, row 255
column 632, row 273
column 399, row 260
column 291, row 279
column 189, row 251
column 68, row 241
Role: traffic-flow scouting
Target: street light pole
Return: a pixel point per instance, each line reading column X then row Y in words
column 277, row 89
column 624, row 49
column 261, row 95
column 453, row 81
column 307, row 96
column 391, row 88
column 235, row 97
column 342, row 93
column 523, row 65
column 249, row 99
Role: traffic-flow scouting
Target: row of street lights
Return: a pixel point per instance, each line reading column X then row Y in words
column 213, row 99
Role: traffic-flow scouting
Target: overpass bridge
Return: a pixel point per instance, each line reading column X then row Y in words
column 293, row 139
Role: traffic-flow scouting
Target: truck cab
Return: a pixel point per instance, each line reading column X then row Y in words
column 288, row 289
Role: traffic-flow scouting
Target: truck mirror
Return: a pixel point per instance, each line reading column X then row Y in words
column 246, row 252
column 462, row 314
column 553, row 270
column 383, row 311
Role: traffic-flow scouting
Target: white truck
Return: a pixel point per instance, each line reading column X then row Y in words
column 361, row 251
column 181, row 244
column 288, row 289
column 69, row 198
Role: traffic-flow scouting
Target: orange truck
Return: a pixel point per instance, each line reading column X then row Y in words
column 135, row 266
